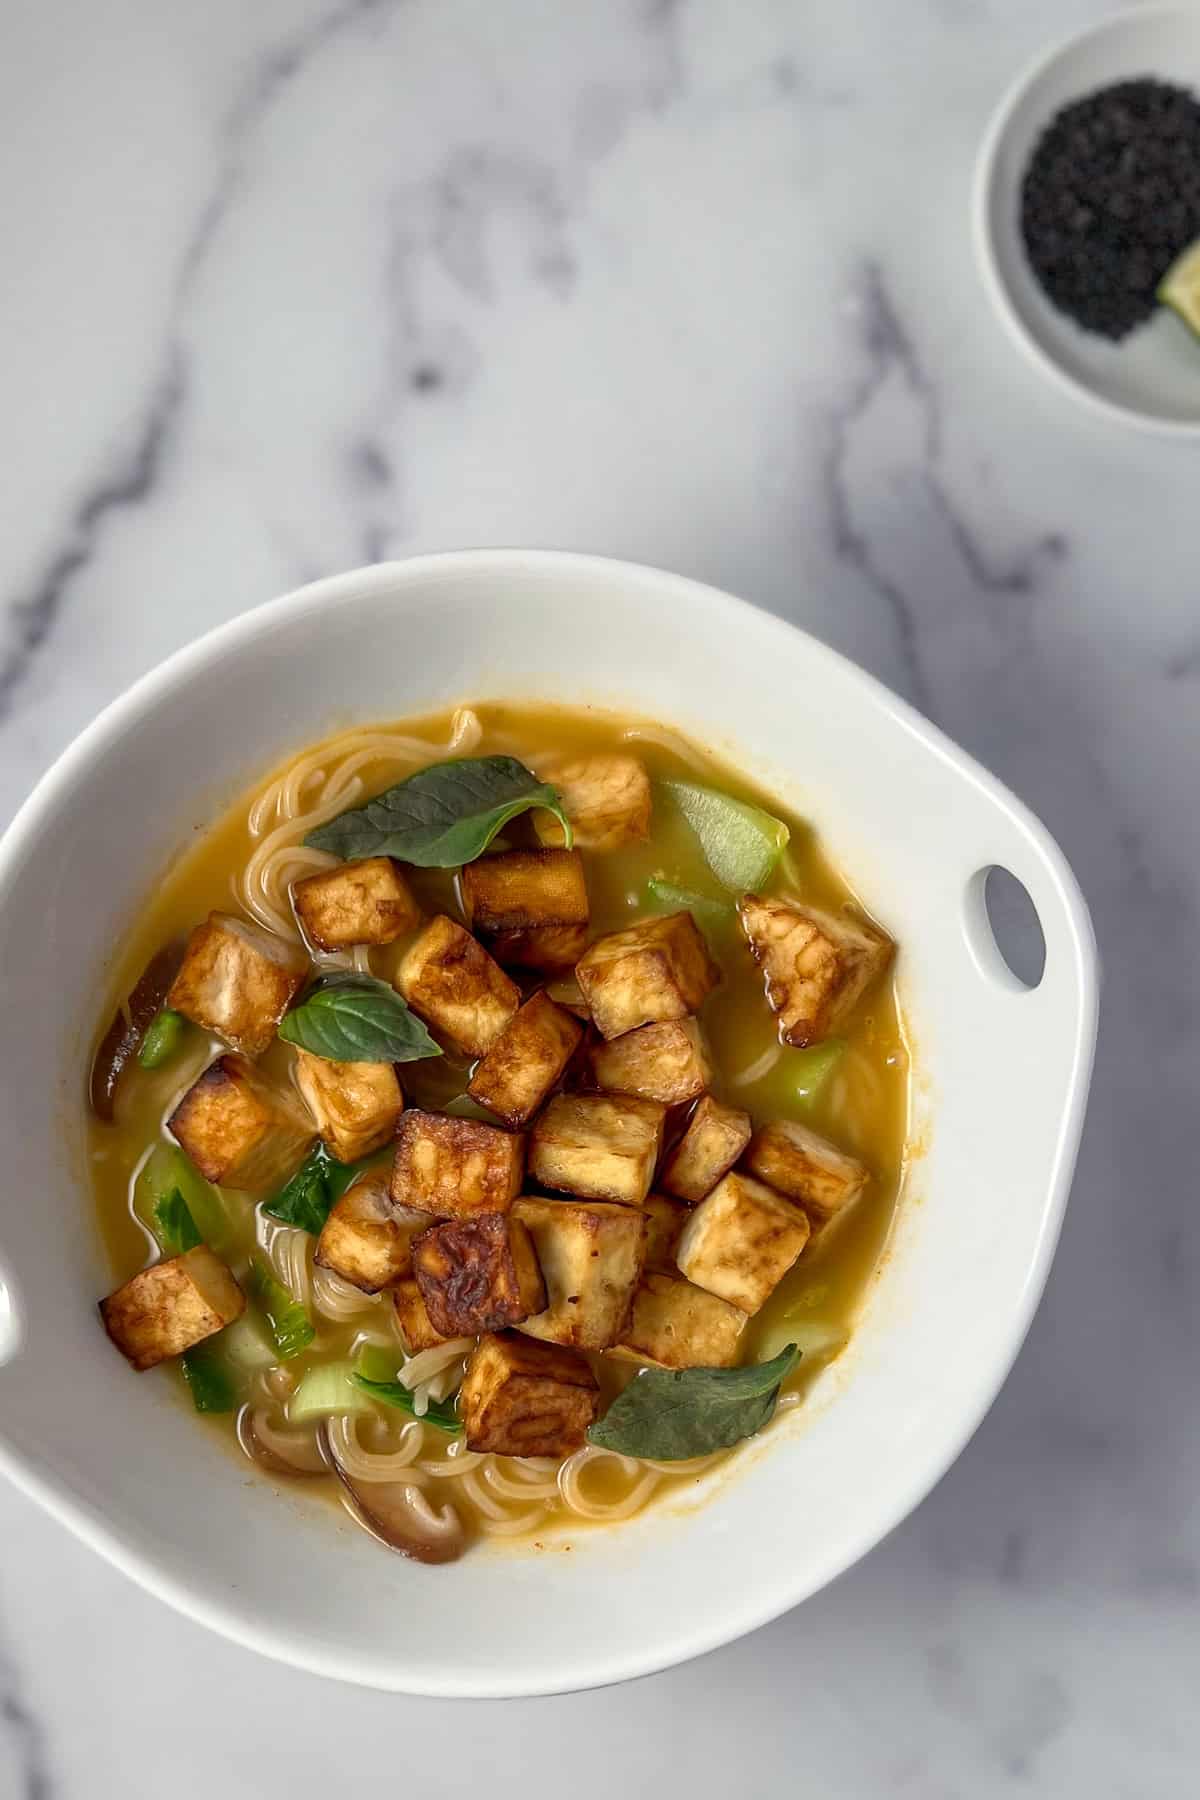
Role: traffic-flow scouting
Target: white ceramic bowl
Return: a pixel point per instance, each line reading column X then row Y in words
column 1002, row 1075
column 1152, row 377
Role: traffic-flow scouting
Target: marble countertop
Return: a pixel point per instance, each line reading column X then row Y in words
column 295, row 286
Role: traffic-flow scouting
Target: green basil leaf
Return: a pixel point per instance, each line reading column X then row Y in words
column 673, row 1414
column 355, row 1018
column 316, row 1187
column 207, row 1376
column 291, row 1328
column 394, row 1393
column 442, row 816
column 174, row 1226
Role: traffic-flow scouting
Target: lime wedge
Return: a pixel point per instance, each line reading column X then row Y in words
column 1180, row 288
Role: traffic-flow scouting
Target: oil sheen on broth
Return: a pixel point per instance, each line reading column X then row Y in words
column 861, row 1106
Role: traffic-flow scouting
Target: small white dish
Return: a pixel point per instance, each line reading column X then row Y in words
column 1151, row 378
column 1001, row 1077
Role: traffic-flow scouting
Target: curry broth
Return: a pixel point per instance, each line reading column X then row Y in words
column 863, row 1106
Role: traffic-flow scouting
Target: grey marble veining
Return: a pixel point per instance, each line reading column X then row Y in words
column 296, row 286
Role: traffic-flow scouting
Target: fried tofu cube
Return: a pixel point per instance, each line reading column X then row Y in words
column 658, row 969
column 367, row 902
column 741, row 1241
column 520, row 1398
column 526, row 1061
column 545, row 947
column 679, row 1326
column 665, row 1220
column 356, row 1105
column 520, row 889
column 607, row 799
column 240, row 1129
column 667, row 1062
column 455, row 1168
column 597, row 1145
column 715, row 1137
column 237, row 981
column 452, row 983
column 166, row 1309
column 591, row 1258
column 806, row 1167
column 816, row 966
column 477, row 1274
column 365, row 1239
column 412, row 1319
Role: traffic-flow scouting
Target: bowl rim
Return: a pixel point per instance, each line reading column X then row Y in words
column 242, row 1621
column 982, row 236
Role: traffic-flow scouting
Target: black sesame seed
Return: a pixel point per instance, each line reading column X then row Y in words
column 1110, row 199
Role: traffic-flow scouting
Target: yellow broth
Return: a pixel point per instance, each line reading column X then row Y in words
column 863, row 1106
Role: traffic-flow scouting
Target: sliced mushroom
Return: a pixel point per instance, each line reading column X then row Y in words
column 280, row 1452
column 123, row 1039
column 399, row 1514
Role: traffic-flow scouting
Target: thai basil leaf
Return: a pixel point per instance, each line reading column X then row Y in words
column 174, row 1226
column 670, row 1415
column 291, row 1327
column 355, row 1018
column 207, row 1376
column 442, row 816
column 316, row 1187
column 394, row 1393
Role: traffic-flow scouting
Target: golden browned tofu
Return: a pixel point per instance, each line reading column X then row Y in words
column 477, row 1275
column 545, row 947
column 520, row 1398
column 816, row 966
column 591, row 1258
column 356, row 1105
column 679, row 1326
column 667, row 1062
column 366, row 1240
column 412, row 1319
column 452, row 983
column 455, row 1168
column 797, row 1162
column 240, row 1129
column 168, row 1308
column 741, row 1241
column 526, row 1061
column 367, row 902
column 520, row 889
column 597, row 1145
column 659, row 969
column 237, row 981
column 607, row 799
column 715, row 1137
column 665, row 1220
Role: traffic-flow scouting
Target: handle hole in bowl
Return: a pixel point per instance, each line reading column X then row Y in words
column 10, row 1320
column 1003, row 929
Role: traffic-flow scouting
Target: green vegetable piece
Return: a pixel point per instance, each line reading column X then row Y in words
column 394, row 1393
column 812, row 1068
column 174, row 1226
column 164, row 1034
column 291, row 1327
column 442, row 816
column 375, row 1364
column 671, row 1415
column 741, row 843
column 326, row 1389
column 315, row 1188
column 167, row 1168
column 206, row 1373
column 247, row 1344
column 672, row 899
column 355, row 1018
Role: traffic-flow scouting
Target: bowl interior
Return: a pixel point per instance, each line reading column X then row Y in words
column 1002, row 1074
column 1153, row 375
